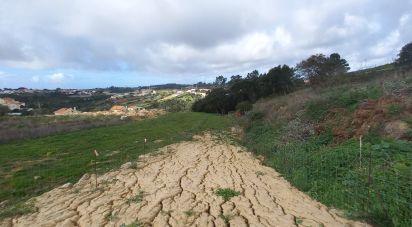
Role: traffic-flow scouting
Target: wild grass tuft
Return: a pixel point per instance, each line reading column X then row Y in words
column 133, row 224
column 133, row 165
column 137, row 198
column 189, row 213
column 19, row 208
column 226, row 193
column 395, row 109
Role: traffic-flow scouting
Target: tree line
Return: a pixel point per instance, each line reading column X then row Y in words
column 239, row 92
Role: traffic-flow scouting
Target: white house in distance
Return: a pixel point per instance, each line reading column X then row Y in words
column 11, row 103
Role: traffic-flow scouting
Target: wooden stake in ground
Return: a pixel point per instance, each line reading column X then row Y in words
column 95, row 165
column 144, row 146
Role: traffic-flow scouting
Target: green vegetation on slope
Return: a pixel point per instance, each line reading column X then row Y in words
column 34, row 166
column 338, row 177
column 180, row 103
column 295, row 134
column 224, row 98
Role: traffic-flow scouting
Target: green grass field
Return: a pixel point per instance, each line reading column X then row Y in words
column 31, row 167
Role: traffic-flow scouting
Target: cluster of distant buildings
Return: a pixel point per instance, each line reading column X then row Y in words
column 20, row 90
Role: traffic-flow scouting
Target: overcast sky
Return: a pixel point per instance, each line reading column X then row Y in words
column 98, row 43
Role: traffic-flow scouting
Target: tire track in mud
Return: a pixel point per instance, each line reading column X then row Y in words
column 177, row 188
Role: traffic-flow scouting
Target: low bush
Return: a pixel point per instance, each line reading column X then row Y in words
column 395, row 109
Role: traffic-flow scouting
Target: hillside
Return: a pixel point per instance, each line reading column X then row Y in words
column 347, row 144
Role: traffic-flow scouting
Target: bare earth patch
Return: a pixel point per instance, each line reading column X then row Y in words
column 178, row 188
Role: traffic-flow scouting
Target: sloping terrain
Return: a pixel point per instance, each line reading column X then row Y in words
column 346, row 145
column 178, row 187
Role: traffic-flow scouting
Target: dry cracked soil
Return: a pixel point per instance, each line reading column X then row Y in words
column 177, row 187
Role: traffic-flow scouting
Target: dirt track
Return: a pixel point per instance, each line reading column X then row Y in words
column 177, row 188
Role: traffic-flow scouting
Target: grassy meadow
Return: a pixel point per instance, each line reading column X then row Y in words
column 31, row 167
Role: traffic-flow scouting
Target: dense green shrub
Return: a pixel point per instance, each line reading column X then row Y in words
column 279, row 80
column 181, row 103
column 4, row 110
column 218, row 100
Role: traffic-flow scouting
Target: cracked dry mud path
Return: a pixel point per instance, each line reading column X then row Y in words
column 177, row 188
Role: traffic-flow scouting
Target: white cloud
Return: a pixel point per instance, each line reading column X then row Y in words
column 405, row 20
column 58, row 77
column 354, row 25
column 179, row 37
column 387, row 45
column 249, row 49
column 3, row 75
column 35, row 79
